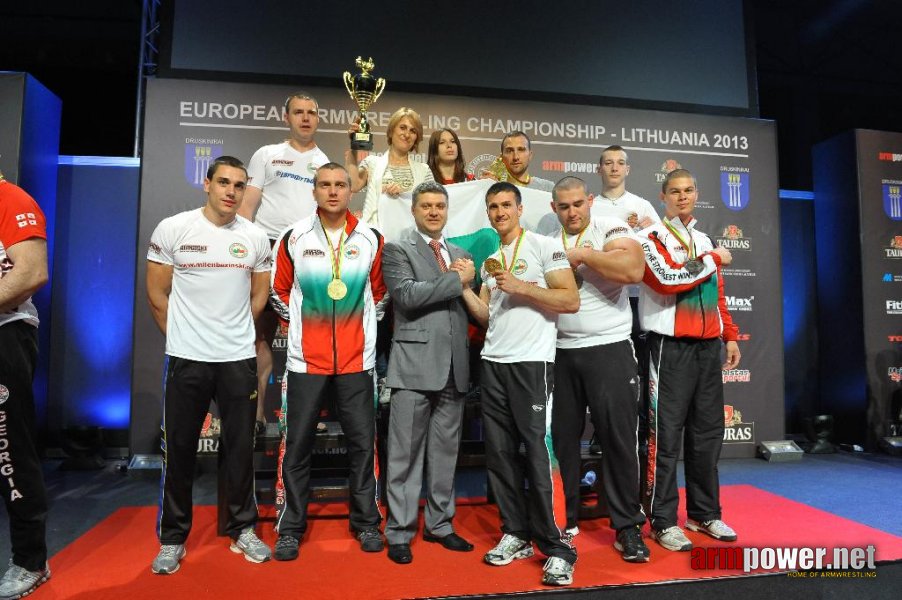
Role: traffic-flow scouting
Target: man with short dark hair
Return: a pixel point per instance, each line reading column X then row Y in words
column 280, row 193
column 595, row 366
column 428, row 372
column 326, row 283
column 682, row 306
column 527, row 282
column 516, row 153
column 614, row 199
column 23, row 271
column 207, row 279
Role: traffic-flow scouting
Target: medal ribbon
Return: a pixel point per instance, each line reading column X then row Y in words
column 689, row 246
column 504, row 264
column 578, row 237
column 335, row 255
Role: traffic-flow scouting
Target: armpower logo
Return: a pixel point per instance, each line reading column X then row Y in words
column 199, row 248
column 313, row 253
column 282, row 161
column 889, row 156
column 559, row 256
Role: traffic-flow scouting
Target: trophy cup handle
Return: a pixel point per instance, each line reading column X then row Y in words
column 349, row 84
column 380, row 86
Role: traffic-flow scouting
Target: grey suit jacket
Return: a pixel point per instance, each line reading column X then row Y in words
column 430, row 318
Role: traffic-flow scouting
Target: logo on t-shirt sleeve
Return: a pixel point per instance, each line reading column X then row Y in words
column 558, row 255
column 26, row 219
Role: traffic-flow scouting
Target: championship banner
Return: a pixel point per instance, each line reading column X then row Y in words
column 189, row 123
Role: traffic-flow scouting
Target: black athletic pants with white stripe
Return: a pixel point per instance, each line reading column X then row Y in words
column 517, row 403
column 190, row 384
column 356, row 411
column 685, row 405
column 22, row 480
column 605, row 379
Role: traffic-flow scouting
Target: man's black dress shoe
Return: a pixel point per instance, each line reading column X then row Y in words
column 452, row 541
column 400, row 553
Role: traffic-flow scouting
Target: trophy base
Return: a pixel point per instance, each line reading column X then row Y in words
column 362, row 141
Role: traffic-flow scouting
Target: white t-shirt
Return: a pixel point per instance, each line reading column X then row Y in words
column 518, row 330
column 209, row 317
column 286, row 178
column 604, row 315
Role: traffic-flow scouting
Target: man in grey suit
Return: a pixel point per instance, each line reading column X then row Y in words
column 428, row 372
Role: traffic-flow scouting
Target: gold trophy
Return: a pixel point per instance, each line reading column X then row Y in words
column 364, row 89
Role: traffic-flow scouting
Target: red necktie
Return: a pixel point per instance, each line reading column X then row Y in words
column 437, row 248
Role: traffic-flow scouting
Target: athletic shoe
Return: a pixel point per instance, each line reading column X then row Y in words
column 18, row 582
column 167, row 561
column 673, row 539
column 630, row 545
column 249, row 544
column 557, row 571
column 508, row 549
column 286, row 548
column 715, row 528
column 570, row 533
column 370, row 540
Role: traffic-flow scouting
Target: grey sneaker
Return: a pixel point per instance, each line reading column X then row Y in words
column 167, row 561
column 715, row 528
column 508, row 549
column 250, row 545
column 673, row 539
column 370, row 540
column 18, row 582
column 557, row 571
column 286, row 548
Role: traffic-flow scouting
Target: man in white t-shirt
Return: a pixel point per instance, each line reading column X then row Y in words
column 207, row 278
column 616, row 201
column 526, row 283
column 280, row 193
column 595, row 365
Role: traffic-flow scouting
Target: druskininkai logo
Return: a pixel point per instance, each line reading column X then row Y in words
column 198, row 158
column 734, row 190
column 892, row 194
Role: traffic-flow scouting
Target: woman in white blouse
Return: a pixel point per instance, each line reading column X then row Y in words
column 389, row 178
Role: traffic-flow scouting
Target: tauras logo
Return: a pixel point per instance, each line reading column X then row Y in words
column 738, row 303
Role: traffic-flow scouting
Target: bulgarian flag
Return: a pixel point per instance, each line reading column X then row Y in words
column 468, row 224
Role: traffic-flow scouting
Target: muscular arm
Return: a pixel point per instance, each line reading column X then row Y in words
column 251, row 203
column 561, row 296
column 359, row 176
column 259, row 293
column 406, row 291
column 621, row 260
column 28, row 275
column 159, row 285
column 478, row 305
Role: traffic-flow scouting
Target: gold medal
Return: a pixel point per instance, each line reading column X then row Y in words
column 337, row 289
column 578, row 278
column 492, row 266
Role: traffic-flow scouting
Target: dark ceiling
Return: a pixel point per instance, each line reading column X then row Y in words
column 824, row 66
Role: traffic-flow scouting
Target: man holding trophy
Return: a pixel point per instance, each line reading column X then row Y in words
column 513, row 164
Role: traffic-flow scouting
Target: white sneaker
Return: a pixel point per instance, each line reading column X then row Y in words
column 715, row 528
column 672, row 539
column 251, row 546
column 167, row 561
column 508, row 549
column 557, row 571
column 18, row 582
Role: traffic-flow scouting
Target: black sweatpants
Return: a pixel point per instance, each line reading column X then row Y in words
column 190, row 384
column 356, row 411
column 685, row 404
column 517, row 405
column 20, row 466
column 604, row 379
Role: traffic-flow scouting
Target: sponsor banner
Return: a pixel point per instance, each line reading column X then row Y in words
column 189, row 123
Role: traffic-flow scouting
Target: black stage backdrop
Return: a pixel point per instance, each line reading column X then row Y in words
column 733, row 158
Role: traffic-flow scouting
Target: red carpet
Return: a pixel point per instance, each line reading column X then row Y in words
column 113, row 559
